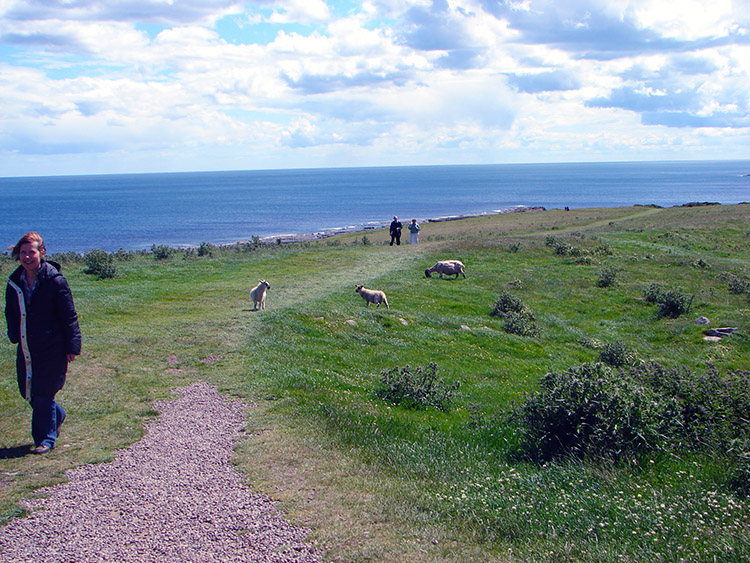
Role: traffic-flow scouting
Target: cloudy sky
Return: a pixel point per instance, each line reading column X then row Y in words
column 91, row 86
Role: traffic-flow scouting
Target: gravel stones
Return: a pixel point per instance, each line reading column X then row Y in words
column 173, row 496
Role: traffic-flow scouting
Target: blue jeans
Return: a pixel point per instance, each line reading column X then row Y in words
column 46, row 415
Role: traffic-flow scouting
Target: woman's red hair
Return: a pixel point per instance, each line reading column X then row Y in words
column 31, row 236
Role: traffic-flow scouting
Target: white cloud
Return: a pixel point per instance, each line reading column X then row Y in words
column 389, row 80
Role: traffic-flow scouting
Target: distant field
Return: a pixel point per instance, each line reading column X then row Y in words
column 378, row 481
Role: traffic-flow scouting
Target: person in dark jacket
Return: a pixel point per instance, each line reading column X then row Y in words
column 42, row 320
column 395, row 231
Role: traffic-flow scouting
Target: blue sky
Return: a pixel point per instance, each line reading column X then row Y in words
column 177, row 85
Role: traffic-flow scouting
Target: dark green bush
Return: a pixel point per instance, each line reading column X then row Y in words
column 522, row 324
column 592, row 410
column 607, row 277
column 514, row 248
column 738, row 285
column 653, row 293
column 416, row 389
column 519, row 319
column 161, row 251
column 100, row 263
column 616, row 354
column 206, row 249
column 507, row 303
column 712, row 408
column 673, row 303
column 597, row 410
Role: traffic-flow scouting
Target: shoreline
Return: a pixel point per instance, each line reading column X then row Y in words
column 290, row 238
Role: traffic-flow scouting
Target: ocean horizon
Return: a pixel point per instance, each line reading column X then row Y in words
column 136, row 211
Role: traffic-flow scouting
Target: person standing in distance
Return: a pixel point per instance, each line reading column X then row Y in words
column 414, row 232
column 396, row 227
column 43, row 322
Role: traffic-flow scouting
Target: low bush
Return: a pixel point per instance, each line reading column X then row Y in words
column 616, row 354
column 161, row 251
column 206, row 249
column 607, row 277
column 591, row 410
column 100, row 263
column 507, row 303
column 522, row 324
column 519, row 319
column 712, row 407
column 417, row 389
column 595, row 410
column 738, row 285
column 673, row 303
column 652, row 293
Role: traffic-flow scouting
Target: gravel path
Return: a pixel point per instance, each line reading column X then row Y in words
column 172, row 497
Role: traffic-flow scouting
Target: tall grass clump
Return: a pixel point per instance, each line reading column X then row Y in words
column 416, row 388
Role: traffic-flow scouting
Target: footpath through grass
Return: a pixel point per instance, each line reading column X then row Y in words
column 378, row 481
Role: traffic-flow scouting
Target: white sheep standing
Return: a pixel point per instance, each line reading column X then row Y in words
column 258, row 294
column 447, row 267
column 372, row 296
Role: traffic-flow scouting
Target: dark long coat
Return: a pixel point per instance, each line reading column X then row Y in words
column 51, row 329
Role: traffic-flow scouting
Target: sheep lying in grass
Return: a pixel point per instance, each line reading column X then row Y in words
column 372, row 296
column 258, row 294
column 447, row 267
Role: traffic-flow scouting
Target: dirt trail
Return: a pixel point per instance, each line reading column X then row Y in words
column 173, row 496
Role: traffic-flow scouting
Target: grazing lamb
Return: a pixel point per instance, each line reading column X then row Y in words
column 258, row 294
column 372, row 296
column 447, row 267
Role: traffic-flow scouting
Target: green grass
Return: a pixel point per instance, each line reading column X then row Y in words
column 377, row 482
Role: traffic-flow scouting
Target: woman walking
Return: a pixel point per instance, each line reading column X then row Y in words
column 43, row 321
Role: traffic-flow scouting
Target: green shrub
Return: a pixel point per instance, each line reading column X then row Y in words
column 711, row 408
column 519, row 319
column 738, row 285
column 161, row 251
column 507, row 303
column 673, row 303
column 514, row 248
column 591, row 410
column 607, row 277
column 522, row 324
column 653, row 293
column 597, row 410
column 366, row 241
column 99, row 263
column 416, row 389
column 124, row 255
column 616, row 354
column 206, row 249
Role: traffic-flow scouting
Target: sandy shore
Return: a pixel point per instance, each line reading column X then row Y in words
column 377, row 225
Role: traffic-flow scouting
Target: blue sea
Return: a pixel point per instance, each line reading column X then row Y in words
column 136, row 211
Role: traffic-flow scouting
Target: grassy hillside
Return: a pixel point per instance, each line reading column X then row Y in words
column 378, row 481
